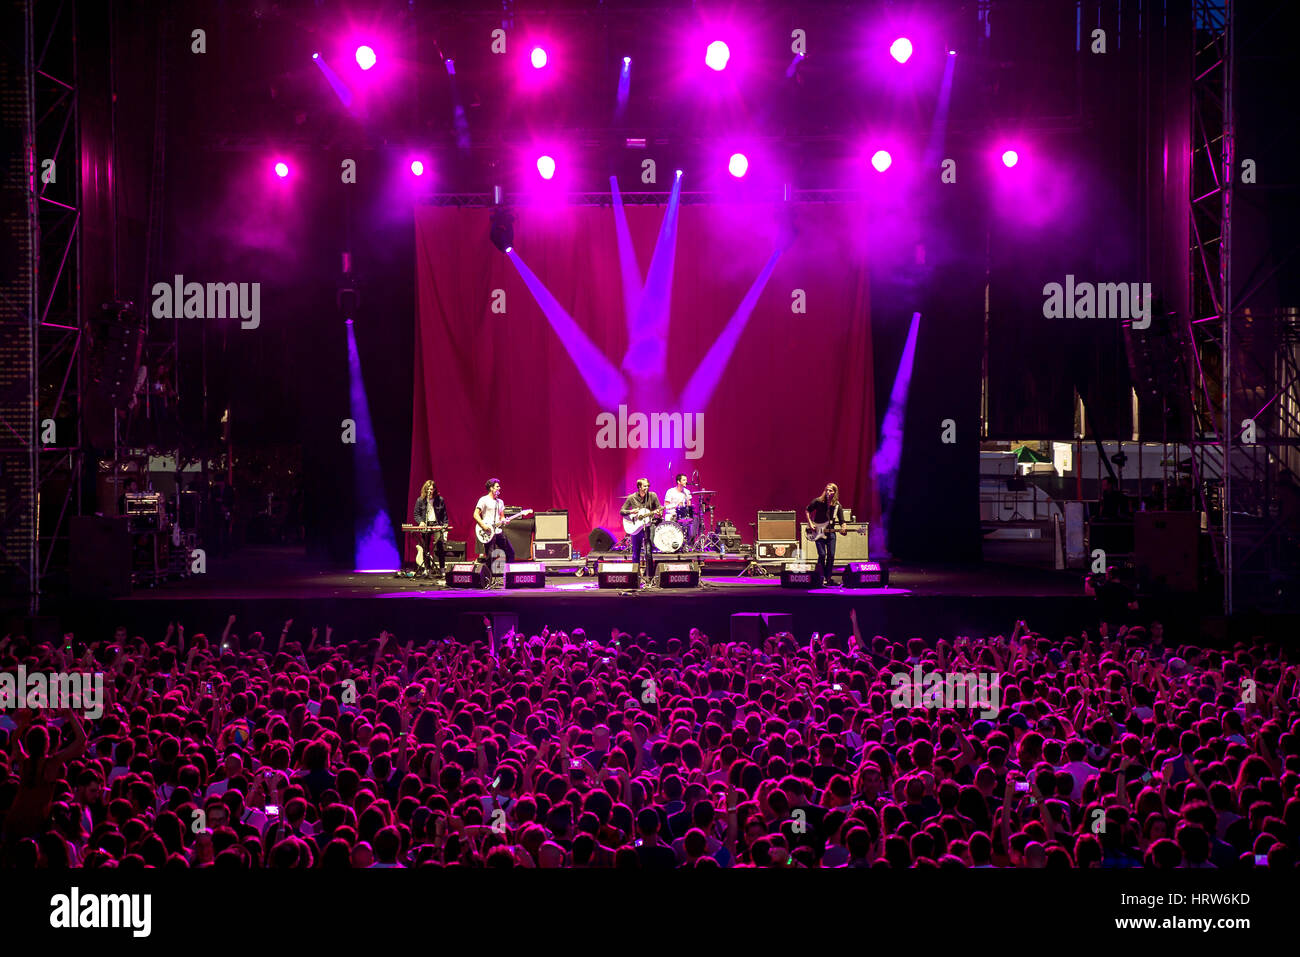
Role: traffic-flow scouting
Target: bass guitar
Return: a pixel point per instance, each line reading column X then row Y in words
column 486, row 536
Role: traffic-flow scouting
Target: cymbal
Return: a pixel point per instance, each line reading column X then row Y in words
column 702, row 491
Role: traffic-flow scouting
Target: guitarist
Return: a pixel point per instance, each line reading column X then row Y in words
column 430, row 509
column 489, row 513
column 644, row 504
column 825, row 511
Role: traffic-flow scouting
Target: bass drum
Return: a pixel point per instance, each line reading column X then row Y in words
column 669, row 537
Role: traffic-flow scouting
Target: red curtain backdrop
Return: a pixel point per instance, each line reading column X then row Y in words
column 499, row 395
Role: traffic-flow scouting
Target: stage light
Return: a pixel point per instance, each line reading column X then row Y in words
column 281, row 169
column 417, row 167
column 881, row 160
column 1010, row 158
column 717, row 55
column 546, row 166
column 451, row 67
column 315, row 56
column 538, row 58
column 679, row 174
column 509, row 250
column 365, row 57
column 502, row 230
column 738, row 165
column 627, row 62
column 901, row 49
column 952, row 53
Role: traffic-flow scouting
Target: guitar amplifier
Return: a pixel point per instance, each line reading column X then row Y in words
column 552, row 526
column 777, row 527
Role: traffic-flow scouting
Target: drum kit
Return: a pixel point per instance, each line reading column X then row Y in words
column 686, row 528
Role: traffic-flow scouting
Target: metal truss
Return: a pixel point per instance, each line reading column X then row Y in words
column 58, row 339
column 1245, row 366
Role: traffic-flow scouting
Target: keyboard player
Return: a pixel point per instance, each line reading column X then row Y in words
column 430, row 509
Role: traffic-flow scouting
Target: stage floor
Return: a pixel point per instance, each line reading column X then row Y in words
column 265, row 586
column 279, row 573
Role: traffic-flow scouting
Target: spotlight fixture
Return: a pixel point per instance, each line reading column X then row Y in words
column 365, row 57
column 538, row 58
column 1010, row 158
column 881, row 160
column 738, row 165
column 502, row 232
column 281, row 169
column 901, row 49
column 546, row 166
column 417, row 167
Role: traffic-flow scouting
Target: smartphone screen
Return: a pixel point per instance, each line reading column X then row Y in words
column 1022, row 786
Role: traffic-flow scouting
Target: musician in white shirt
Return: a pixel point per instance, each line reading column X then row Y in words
column 489, row 513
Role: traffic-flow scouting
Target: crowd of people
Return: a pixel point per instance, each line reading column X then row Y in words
column 620, row 750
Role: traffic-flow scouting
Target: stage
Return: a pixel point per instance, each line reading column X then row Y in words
column 264, row 586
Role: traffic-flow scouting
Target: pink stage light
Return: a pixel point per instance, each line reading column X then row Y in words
column 365, row 57
column 881, row 160
column 281, row 169
column 901, row 49
column 417, row 167
column 538, row 58
column 1010, row 158
column 717, row 55
column 546, row 166
column 738, row 165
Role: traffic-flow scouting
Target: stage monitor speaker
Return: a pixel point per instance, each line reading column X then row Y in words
column 600, row 540
column 1166, row 549
column 101, row 557
column 525, row 575
column 552, row 525
column 777, row 527
column 678, row 574
column 617, row 574
column 866, row 575
column 755, row 627
column 466, row 575
column 469, row 626
column 800, row 579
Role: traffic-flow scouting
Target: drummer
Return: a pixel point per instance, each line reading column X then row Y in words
column 677, row 505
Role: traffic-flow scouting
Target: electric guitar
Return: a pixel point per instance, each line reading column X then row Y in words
column 819, row 530
column 485, row 537
column 639, row 519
